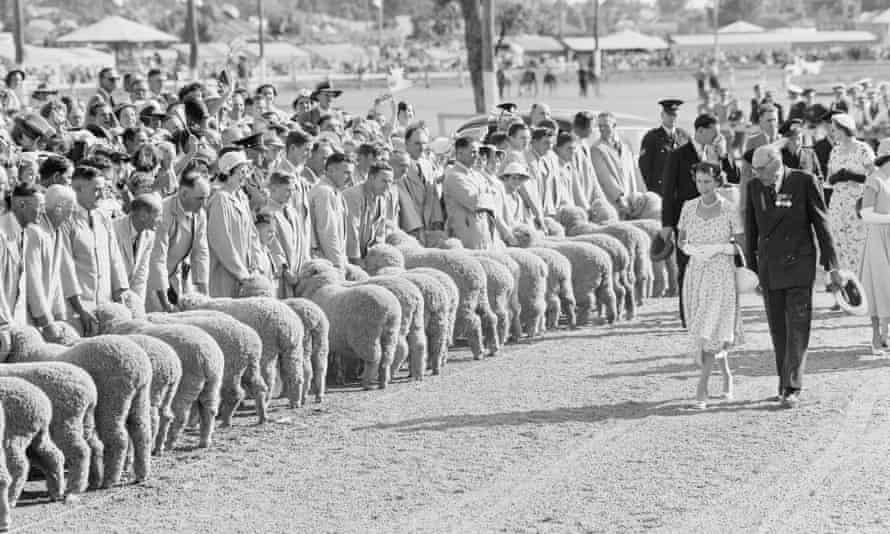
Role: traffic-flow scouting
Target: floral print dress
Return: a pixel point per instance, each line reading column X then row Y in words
column 710, row 299
column 846, row 227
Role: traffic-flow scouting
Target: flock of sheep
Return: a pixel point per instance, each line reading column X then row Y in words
column 81, row 409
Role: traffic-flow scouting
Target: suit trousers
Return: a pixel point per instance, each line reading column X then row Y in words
column 682, row 262
column 789, row 313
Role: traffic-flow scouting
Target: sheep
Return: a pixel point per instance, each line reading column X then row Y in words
column 73, row 396
column 27, row 414
column 474, row 313
column 364, row 321
column 354, row 273
column 316, row 331
column 664, row 272
column 241, row 347
column 532, row 289
column 4, row 479
column 591, row 271
column 513, row 322
column 122, row 374
column 166, row 374
column 387, row 260
column 501, row 289
column 281, row 332
column 60, row 333
column 622, row 271
column 560, row 294
column 552, row 228
column 201, row 361
column 439, row 341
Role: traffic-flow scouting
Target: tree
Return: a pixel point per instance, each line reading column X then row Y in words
column 670, row 7
column 734, row 10
column 472, row 13
column 510, row 19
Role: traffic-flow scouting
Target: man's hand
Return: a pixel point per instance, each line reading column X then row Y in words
column 89, row 323
column 836, row 279
column 291, row 278
column 667, row 233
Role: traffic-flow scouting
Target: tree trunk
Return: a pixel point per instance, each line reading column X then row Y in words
column 192, row 31
column 473, row 39
column 19, row 35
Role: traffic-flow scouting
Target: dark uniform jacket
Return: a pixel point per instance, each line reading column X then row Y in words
column 678, row 183
column 654, row 150
column 779, row 229
column 798, row 110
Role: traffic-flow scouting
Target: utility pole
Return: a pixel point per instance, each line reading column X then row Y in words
column 717, row 32
column 192, row 32
column 489, row 84
column 262, row 37
column 19, row 36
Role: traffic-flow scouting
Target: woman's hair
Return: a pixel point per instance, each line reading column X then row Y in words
column 711, row 169
column 53, row 165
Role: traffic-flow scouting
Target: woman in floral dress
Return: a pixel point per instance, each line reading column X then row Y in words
column 851, row 160
column 708, row 226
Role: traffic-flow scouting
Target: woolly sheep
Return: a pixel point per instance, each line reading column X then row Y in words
column 638, row 243
column 560, row 294
column 552, row 228
column 202, row 367
column 364, row 321
column 122, row 374
column 591, row 271
column 27, row 413
column 501, row 288
column 241, row 347
column 61, row 333
column 532, row 289
column 438, row 348
column 354, row 273
column 513, row 325
column 622, row 271
column 73, row 396
column 166, row 373
column 411, row 345
column 664, row 272
column 281, row 332
column 316, row 330
column 4, row 479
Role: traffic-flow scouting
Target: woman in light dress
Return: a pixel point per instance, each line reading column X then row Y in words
column 875, row 271
column 851, row 160
column 708, row 227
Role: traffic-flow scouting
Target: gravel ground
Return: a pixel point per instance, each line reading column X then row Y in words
column 581, row 431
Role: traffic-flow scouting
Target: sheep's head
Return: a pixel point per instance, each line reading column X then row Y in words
column 526, row 236
column 399, row 238
column 18, row 339
column 257, row 286
column 193, row 301
column 383, row 257
column 61, row 333
column 354, row 273
column 644, row 205
column 109, row 313
column 601, row 212
column 569, row 216
column 134, row 303
column 435, row 238
column 316, row 274
column 553, row 228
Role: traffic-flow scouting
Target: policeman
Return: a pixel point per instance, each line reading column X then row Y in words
column 659, row 142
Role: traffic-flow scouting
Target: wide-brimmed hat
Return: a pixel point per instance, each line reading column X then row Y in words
column 515, row 169
column 850, row 296
column 325, row 87
column 661, row 248
column 228, row 161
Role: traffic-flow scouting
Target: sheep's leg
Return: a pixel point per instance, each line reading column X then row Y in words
column 231, row 394
column 552, row 312
column 4, row 494
column 567, row 298
column 269, row 364
column 70, row 440
column 111, row 413
column 489, row 321
column 97, row 449
column 49, row 459
column 190, row 387
column 320, row 369
column 18, row 466
column 139, row 429
column 372, row 366
column 208, row 420
column 659, row 279
column 165, row 416
column 606, row 294
column 252, row 379
column 417, row 348
column 437, row 343
column 307, row 378
column 401, row 354
column 470, row 326
column 515, row 317
column 155, row 420
column 292, row 375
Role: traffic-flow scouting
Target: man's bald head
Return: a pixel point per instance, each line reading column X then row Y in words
column 767, row 164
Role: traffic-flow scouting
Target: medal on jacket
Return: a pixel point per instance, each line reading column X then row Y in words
column 783, row 200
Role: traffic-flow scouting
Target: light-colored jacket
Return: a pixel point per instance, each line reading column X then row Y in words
column 230, row 232
column 617, row 173
column 366, row 218
column 13, row 292
column 135, row 264
column 420, row 197
column 328, row 214
column 543, row 169
column 179, row 236
column 49, row 270
column 471, row 203
column 585, row 186
column 90, row 240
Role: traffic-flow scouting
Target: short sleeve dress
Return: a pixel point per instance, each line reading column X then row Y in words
column 875, row 271
column 846, row 227
column 710, row 298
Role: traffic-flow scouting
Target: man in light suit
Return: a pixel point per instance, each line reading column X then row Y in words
column 290, row 244
column 615, row 164
column 49, row 267
column 470, row 201
column 26, row 206
column 136, row 236
column 91, row 242
column 420, row 193
column 327, row 210
column 368, row 210
column 180, row 256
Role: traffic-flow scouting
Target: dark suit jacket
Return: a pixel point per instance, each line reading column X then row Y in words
column 678, row 183
column 657, row 144
column 779, row 240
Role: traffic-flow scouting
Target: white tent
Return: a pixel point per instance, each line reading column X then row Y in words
column 740, row 26
column 623, row 40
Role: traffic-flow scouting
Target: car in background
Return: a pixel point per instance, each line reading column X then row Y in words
column 631, row 128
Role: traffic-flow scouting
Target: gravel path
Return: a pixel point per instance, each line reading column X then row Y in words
column 581, row 431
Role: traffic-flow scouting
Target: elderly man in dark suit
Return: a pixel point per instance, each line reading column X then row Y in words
column 678, row 182
column 785, row 211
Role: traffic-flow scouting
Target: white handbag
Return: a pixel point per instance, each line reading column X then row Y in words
column 746, row 280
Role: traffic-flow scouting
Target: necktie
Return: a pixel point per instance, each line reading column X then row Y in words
column 287, row 216
column 136, row 243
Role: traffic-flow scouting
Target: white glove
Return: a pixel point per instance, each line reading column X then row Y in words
column 870, row 217
column 691, row 250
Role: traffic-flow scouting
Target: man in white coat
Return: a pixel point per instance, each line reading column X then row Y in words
column 25, row 209
column 135, row 237
column 615, row 164
column 470, row 201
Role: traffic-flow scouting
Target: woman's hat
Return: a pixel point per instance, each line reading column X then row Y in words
column 515, row 169
column 882, row 155
column 440, row 145
column 850, row 296
column 661, row 248
column 228, row 161
column 845, row 121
